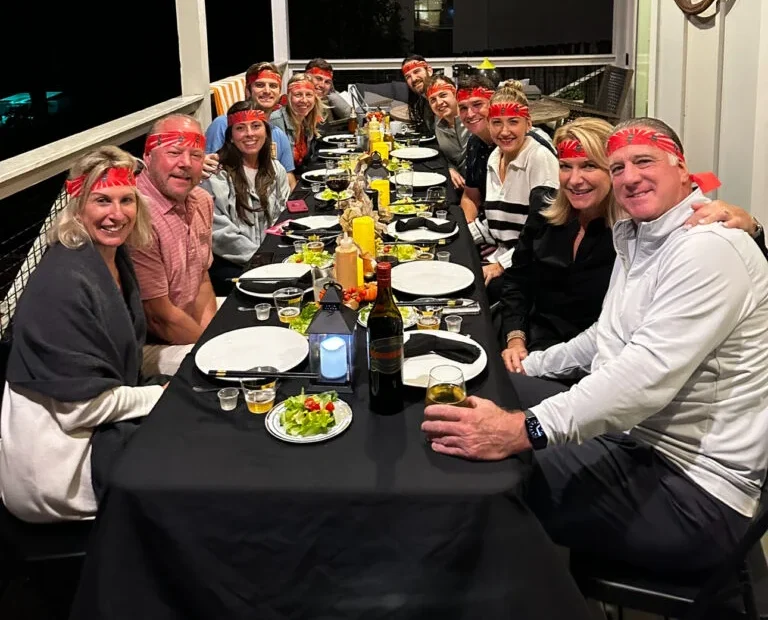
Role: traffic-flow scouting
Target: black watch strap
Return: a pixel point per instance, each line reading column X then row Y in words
column 536, row 434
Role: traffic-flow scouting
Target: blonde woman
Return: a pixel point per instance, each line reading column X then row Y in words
column 564, row 257
column 300, row 118
column 75, row 368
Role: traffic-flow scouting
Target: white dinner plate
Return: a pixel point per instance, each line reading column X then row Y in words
column 402, row 137
column 318, row 175
column 243, row 349
column 421, row 234
column 342, row 412
column 431, row 278
column 276, row 270
column 339, row 138
column 414, row 153
column 424, row 179
column 416, row 369
column 313, row 221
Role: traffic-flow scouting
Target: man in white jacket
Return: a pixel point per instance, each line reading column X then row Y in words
column 658, row 455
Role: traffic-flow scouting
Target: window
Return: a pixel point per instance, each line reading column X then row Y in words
column 446, row 28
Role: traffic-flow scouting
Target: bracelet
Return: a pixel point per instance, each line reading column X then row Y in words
column 517, row 333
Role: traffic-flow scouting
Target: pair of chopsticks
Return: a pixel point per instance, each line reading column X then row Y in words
column 272, row 279
column 443, row 303
column 252, row 374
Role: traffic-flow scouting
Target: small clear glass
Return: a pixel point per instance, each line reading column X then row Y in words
column 437, row 195
column 317, row 187
column 444, row 256
column 441, row 214
column 446, row 386
column 298, row 247
column 404, row 183
column 315, row 246
column 428, row 317
column 228, row 398
column 260, row 400
column 288, row 303
column 453, row 323
column 262, row 311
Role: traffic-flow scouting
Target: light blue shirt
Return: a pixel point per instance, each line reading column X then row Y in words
column 214, row 140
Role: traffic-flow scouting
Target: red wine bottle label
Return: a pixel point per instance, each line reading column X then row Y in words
column 386, row 355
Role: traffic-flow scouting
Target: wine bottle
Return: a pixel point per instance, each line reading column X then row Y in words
column 385, row 348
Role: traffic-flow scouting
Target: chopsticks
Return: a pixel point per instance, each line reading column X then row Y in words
column 442, row 303
column 272, row 279
column 252, row 374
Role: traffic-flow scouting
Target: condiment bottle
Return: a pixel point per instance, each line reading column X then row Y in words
column 346, row 262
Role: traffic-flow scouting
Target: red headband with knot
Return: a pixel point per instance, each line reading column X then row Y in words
column 265, row 74
column 183, row 139
column 113, row 177
column 643, row 136
column 508, row 109
column 246, row 116
column 571, row 149
column 301, row 85
column 468, row 93
column 321, row 72
column 414, row 64
column 440, row 87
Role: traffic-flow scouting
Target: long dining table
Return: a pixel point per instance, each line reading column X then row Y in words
column 208, row 516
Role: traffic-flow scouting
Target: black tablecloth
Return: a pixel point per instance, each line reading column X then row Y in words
column 210, row 517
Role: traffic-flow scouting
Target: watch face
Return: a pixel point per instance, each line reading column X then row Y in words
column 536, row 434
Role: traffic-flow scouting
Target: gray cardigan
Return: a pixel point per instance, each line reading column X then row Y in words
column 233, row 239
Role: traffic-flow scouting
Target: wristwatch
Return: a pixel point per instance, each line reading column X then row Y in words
column 758, row 228
column 536, row 434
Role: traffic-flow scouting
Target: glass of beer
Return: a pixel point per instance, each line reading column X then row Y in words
column 428, row 317
column 288, row 303
column 258, row 399
column 446, row 386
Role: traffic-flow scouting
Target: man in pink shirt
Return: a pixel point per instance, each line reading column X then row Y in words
column 176, row 292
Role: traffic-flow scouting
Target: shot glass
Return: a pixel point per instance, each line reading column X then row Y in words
column 228, row 398
column 441, row 214
column 262, row 311
column 453, row 323
column 444, row 256
column 317, row 187
column 298, row 247
column 259, row 400
column 315, row 246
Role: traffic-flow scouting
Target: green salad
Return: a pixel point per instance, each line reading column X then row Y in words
column 393, row 165
column 313, row 259
column 328, row 194
column 403, row 252
column 408, row 314
column 305, row 415
column 301, row 323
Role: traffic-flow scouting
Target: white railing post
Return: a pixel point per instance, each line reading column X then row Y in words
column 281, row 46
column 193, row 54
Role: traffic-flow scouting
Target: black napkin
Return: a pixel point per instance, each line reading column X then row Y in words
column 455, row 350
column 422, row 222
column 267, row 288
column 295, row 226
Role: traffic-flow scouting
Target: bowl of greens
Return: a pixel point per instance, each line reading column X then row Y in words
column 309, row 418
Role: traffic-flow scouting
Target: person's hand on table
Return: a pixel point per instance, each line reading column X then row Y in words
column 494, row 270
column 480, row 431
column 456, row 178
column 719, row 211
column 210, row 165
column 514, row 355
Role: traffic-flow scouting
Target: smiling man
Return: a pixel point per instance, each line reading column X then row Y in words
column 320, row 72
column 176, row 291
column 416, row 70
column 658, row 455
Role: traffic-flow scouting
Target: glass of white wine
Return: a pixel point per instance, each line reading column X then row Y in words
column 446, row 386
column 288, row 303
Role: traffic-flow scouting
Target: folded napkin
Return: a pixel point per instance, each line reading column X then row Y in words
column 455, row 350
column 415, row 223
column 295, row 226
column 267, row 288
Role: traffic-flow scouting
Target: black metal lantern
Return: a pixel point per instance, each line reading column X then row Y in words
column 332, row 341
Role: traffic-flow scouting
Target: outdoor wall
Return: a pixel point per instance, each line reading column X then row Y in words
column 708, row 81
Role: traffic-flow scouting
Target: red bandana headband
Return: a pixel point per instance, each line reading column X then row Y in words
column 414, row 64
column 508, row 109
column 321, row 72
column 301, row 85
column 571, row 149
column 440, row 87
column 265, row 74
column 113, row 177
column 246, row 116
column 468, row 93
column 183, row 139
column 707, row 181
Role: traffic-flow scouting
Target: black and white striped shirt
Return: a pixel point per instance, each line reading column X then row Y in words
column 531, row 178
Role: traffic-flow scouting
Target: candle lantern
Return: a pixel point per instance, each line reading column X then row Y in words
column 332, row 342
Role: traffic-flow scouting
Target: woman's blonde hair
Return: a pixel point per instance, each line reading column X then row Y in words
column 315, row 116
column 69, row 230
column 593, row 134
column 510, row 91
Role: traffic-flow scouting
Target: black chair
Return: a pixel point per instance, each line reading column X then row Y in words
column 736, row 590
column 49, row 555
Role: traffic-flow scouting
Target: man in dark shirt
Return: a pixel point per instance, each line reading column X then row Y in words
column 416, row 70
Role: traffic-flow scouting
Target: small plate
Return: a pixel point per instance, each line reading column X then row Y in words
column 342, row 412
column 410, row 317
column 416, row 369
column 414, row 153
